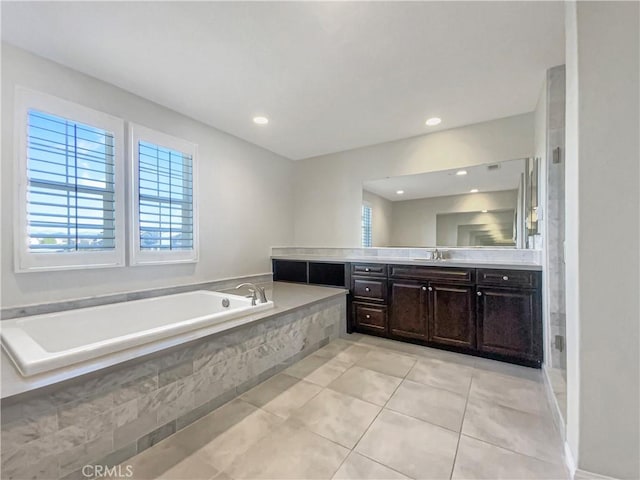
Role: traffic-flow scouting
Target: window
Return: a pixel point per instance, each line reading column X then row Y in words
column 366, row 226
column 163, row 191
column 70, row 204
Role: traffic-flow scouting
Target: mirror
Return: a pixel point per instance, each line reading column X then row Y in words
column 492, row 205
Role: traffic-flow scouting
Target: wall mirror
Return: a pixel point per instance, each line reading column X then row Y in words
column 493, row 205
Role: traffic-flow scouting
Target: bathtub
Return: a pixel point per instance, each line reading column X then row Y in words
column 41, row 343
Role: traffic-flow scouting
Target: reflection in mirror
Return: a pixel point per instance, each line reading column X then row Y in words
column 480, row 206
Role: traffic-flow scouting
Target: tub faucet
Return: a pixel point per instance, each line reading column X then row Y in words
column 255, row 291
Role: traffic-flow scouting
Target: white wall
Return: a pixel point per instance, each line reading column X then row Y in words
column 414, row 221
column 602, row 241
column 328, row 189
column 245, row 200
column 380, row 218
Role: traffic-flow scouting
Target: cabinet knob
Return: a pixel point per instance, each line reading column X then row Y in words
column 505, row 278
column 367, row 289
column 366, row 269
column 479, row 294
column 431, row 289
column 424, row 288
column 368, row 316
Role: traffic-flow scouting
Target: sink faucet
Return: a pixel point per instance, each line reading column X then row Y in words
column 255, row 292
column 436, row 255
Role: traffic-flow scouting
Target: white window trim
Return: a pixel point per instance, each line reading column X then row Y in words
column 139, row 257
column 25, row 260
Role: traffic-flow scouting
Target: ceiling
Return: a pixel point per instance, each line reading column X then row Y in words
column 446, row 182
column 330, row 76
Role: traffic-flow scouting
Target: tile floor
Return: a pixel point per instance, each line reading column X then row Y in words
column 369, row 408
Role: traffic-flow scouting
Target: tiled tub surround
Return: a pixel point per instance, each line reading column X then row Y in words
column 490, row 257
column 111, row 415
column 364, row 407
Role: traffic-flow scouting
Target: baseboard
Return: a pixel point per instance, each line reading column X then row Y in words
column 569, row 461
column 585, row 475
column 556, row 413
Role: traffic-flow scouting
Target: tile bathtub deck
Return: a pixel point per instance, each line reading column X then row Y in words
column 365, row 407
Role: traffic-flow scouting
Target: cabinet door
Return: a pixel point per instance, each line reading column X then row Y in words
column 408, row 309
column 509, row 322
column 452, row 319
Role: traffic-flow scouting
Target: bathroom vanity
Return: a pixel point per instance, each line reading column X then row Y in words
column 479, row 309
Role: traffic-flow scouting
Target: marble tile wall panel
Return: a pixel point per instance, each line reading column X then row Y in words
column 108, row 418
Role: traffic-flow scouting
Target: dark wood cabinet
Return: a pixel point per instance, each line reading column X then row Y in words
column 408, row 309
column 452, row 315
column 494, row 313
column 509, row 322
column 369, row 289
column 370, row 318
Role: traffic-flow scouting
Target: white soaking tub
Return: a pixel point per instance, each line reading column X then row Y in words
column 41, row 343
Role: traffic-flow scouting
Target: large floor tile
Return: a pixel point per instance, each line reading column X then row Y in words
column 480, row 460
column 357, row 467
column 290, row 452
column 235, row 441
column 334, row 348
column 518, row 393
column 508, row 369
column 192, row 468
column 352, row 354
column 338, row 417
column 415, row 448
column 428, row 403
column 437, row 373
column 522, row 432
column 369, row 385
column 168, row 459
column 270, row 389
column 387, row 362
column 282, row 394
column 319, row 370
column 207, row 428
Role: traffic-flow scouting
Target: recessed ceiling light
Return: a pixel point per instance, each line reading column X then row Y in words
column 400, row 192
column 461, row 172
column 260, row 120
column 474, row 190
column 431, row 122
column 485, row 211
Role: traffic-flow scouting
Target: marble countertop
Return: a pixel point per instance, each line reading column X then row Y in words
column 411, row 261
column 287, row 298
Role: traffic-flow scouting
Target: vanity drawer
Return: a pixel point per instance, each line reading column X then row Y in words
column 370, row 289
column 369, row 269
column 508, row 278
column 449, row 274
column 370, row 317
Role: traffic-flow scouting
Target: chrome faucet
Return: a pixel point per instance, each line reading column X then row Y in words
column 255, row 292
column 436, row 255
